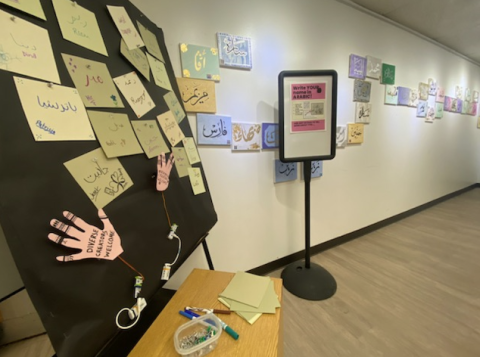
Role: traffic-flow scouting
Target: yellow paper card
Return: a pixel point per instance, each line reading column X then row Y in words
column 159, row 73
column 125, row 27
column 32, row 7
column 137, row 58
column 150, row 41
column 174, row 106
column 93, row 81
column 150, row 137
column 181, row 161
column 79, row 25
column 196, row 180
column 134, row 91
column 170, row 128
column 114, row 133
column 26, row 49
column 198, row 95
column 191, row 150
column 355, row 133
column 54, row 113
column 101, row 179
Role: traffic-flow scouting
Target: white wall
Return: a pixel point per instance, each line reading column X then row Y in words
column 404, row 162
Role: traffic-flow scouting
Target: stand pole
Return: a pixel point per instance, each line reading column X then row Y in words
column 303, row 279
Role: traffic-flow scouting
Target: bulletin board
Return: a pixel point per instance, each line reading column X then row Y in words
column 78, row 300
column 307, row 115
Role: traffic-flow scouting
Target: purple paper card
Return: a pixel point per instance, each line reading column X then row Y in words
column 459, row 105
column 270, row 136
column 447, row 104
column 403, row 95
column 358, row 67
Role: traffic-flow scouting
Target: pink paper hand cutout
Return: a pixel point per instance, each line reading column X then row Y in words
column 163, row 171
column 92, row 241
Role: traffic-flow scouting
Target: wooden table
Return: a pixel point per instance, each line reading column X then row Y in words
column 263, row 339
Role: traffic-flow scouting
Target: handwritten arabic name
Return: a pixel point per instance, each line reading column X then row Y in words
column 62, row 107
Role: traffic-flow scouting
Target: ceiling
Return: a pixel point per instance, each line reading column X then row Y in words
column 452, row 23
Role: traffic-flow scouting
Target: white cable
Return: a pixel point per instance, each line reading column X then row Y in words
column 179, row 250
column 130, row 326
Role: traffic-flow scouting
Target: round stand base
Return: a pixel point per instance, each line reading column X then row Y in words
column 315, row 283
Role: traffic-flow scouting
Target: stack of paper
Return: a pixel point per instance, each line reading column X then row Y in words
column 249, row 296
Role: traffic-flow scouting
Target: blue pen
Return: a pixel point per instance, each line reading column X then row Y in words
column 192, row 313
column 183, row 313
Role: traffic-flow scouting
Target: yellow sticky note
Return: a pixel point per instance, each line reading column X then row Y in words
column 137, row 58
column 32, row 7
column 159, row 73
column 170, row 128
column 125, row 26
column 196, row 180
column 114, row 133
column 151, row 42
column 93, row 81
column 134, row 91
column 26, row 49
column 54, row 113
column 191, row 150
column 101, row 179
column 150, row 138
column 79, row 26
column 181, row 161
column 174, row 106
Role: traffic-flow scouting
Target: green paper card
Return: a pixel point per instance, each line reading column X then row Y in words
column 114, row 133
column 32, row 7
column 247, row 288
column 181, row 161
column 159, row 73
column 200, row 62
column 174, row 106
column 150, row 41
column 137, row 58
column 93, row 81
column 150, row 137
column 170, row 128
column 196, row 180
column 191, row 149
column 388, row 74
column 101, row 179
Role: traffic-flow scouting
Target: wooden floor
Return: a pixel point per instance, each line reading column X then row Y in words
column 409, row 289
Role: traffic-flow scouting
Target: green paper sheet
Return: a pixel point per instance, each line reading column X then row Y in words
column 150, row 138
column 181, row 161
column 137, row 58
column 267, row 305
column 150, row 41
column 247, row 288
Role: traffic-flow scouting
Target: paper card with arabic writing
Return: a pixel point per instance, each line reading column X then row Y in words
column 355, row 133
column 196, row 180
column 422, row 109
column 198, row 95
column 459, row 105
column 32, row 7
column 200, row 62
column 114, row 133
column 137, row 58
column 79, row 25
column 160, row 75
column 413, row 97
column 26, row 49
column 214, row 129
column 438, row 110
column 432, row 87
column 475, row 96
column 101, row 179
column 363, row 112
column 341, row 139
column 374, row 67
column 270, row 136
column 174, row 106
column 285, row 171
column 447, row 104
column 459, row 92
column 467, row 107
column 391, row 95
column 54, row 113
column 135, row 93
column 126, row 27
column 181, row 161
column 357, row 67
column 468, row 94
column 246, row 136
column 430, row 116
column 388, row 74
column 234, row 51
column 93, row 81
column 170, row 128
column 316, row 169
column 150, row 41
column 149, row 136
column 403, row 95
column 440, row 98
column 474, row 109
column 423, row 90
column 191, row 150
column 361, row 90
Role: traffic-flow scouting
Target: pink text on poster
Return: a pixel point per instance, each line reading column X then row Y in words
column 308, row 125
column 308, row 91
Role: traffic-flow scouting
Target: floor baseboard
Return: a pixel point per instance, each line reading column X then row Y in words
column 279, row 263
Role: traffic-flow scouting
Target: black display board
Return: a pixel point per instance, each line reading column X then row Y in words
column 78, row 301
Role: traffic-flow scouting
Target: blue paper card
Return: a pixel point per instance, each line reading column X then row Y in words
column 270, row 136
column 234, row 51
column 358, row 67
column 403, row 95
column 285, row 171
column 317, row 169
column 214, row 129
